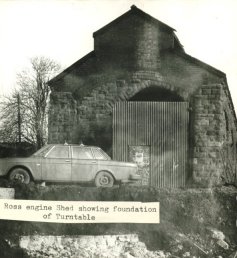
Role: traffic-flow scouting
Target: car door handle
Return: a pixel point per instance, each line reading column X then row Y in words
column 67, row 160
column 93, row 162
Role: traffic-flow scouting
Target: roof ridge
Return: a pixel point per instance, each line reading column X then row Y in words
column 136, row 10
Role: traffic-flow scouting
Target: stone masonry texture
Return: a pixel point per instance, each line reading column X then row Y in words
column 137, row 52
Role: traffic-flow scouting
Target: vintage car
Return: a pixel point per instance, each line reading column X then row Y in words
column 69, row 163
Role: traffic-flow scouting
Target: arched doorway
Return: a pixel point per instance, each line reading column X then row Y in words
column 152, row 130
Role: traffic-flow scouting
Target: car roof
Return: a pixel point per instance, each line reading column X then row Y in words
column 75, row 145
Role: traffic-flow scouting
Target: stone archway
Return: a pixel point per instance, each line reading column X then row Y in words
column 145, row 83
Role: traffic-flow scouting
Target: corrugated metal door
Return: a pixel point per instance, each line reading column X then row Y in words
column 161, row 126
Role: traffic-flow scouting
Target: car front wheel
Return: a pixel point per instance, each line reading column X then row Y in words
column 104, row 179
column 20, row 175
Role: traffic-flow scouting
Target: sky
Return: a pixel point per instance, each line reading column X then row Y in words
column 62, row 30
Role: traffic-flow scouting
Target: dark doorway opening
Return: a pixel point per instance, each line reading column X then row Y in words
column 154, row 93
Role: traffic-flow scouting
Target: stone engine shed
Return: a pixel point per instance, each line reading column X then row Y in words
column 141, row 98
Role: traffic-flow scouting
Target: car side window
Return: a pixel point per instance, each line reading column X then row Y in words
column 98, row 154
column 59, row 152
column 81, row 153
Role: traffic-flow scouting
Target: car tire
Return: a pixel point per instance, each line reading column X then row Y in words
column 19, row 175
column 104, row 179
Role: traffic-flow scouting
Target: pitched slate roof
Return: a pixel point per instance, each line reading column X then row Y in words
column 139, row 12
column 145, row 16
column 75, row 65
column 199, row 63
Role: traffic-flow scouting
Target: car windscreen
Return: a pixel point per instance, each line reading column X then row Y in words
column 99, row 154
column 43, row 151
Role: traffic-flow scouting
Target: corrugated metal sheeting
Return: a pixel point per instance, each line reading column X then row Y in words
column 161, row 125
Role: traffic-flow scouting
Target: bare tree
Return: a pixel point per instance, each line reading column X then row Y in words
column 10, row 130
column 24, row 113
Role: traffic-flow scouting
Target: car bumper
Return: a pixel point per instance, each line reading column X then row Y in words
column 131, row 179
column 135, row 177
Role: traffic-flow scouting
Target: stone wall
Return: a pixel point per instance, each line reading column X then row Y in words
column 211, row 136
column 132, row 43
column 229, row 150
column 62, row 117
